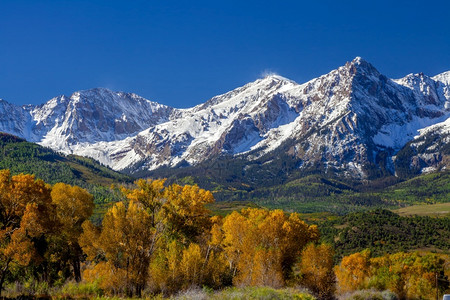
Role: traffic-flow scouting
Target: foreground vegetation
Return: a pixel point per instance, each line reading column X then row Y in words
column 72, row 290
column 160, row 240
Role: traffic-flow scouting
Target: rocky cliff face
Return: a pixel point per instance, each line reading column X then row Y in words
column 352, row 120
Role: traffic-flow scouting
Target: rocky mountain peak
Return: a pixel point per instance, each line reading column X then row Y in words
column 359, row 66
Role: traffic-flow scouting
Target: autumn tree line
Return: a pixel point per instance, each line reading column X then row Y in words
column 161, row 239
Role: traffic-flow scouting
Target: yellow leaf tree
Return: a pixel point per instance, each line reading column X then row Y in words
column 261, row 245
column 184, row 211
column 135, row 237
column 74, row 205
column 126, row 242
column 353, row 272
column 315, row 269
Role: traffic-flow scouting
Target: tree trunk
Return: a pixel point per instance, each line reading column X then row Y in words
column 3, row 275
column 76, row 269
column 76, row 263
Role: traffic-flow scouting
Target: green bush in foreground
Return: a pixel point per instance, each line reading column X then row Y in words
column 247, row 293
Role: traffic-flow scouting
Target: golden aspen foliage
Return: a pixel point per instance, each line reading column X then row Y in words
column 138, row 237
column 267, row 270
column 236, row 240
column 109, row 278
column 191, row 265
column 19, row 250
column 175, row 267
column 89, row 241
column 181, row 208
column 261, row 245
column 74, row 205
column 126, row 241
column 200, row 267
column 18, row 191
column 353, row 271
column 216, row 233
column 184, row 210
column 297, row 235
column 150, row 194
column 315, row 269
column 215, row 271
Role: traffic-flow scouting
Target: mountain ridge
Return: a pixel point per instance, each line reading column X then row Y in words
column 351, row 120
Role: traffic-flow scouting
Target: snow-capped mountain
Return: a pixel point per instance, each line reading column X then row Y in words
column 85, row 117
column 349, row 120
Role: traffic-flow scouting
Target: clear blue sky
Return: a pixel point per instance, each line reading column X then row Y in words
column 181, row 53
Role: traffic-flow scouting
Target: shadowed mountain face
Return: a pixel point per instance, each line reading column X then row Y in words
column 352, row 121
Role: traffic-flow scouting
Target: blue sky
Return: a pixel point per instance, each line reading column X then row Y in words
column 182, row 53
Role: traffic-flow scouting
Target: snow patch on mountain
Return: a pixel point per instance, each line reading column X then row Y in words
column 439, row 128
column 397, row 135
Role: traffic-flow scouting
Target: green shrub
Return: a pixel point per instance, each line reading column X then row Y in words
column 82, row 289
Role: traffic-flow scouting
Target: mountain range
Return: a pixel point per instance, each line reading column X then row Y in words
column 353, row 122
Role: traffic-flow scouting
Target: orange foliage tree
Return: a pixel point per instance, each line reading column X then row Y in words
column 26, row 216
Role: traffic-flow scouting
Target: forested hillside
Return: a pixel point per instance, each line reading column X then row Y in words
column 20, row 156
column 383, row 232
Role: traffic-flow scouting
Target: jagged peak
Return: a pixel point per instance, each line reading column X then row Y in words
column 414, row 80
column 359, row 60
column 270, row 79
column 361, row 66
column 416, row 76
column 101, row 92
